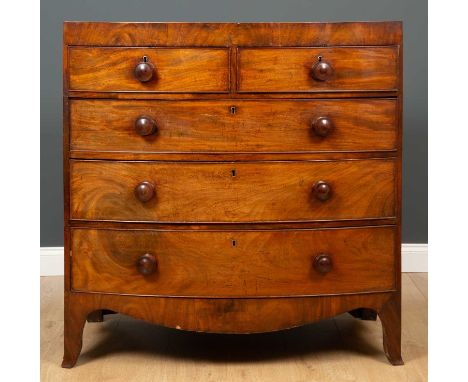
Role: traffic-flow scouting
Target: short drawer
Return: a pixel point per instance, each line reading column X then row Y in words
column 233, row 263
column 149, row 69
column 232, row 192
column 317, row 69
column 232, row 126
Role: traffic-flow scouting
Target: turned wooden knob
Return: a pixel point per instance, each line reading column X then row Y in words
column 322, row 126
column 146, row 264
column 144, row 191
column 144, row 70
column 322, row 190
column 145, row 126
column 323, row 263
column 322, row 70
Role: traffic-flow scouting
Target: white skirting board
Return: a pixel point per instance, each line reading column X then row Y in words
column 51, row 261
column 414, row 259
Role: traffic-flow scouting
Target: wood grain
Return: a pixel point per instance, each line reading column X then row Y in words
column 225, row 34
column 230, row 226
column 227, row 315
column 209, row 126
column 289, row 70
column 420, row 281
column 233, row 263
column 80, row 94
column 176, row 70
column 208, row 192
column 231, row 156
column 247, row 315
column 390, row 316
column 242, row 193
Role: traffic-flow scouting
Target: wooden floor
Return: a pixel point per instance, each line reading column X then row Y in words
column 341, row 349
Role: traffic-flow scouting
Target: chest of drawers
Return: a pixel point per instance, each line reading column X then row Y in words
column 232, row 178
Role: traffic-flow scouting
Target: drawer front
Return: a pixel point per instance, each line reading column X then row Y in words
column 234, row 263
column 213, row 126
column 174, row 69
column 292, row 69
column 232, row 192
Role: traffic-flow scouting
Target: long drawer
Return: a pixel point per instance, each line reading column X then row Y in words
column 232, row 192
column 232, row 126
column 170, row 70
column 233, row 263
column 318, row 69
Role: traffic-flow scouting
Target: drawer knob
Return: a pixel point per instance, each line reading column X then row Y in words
column 322, row 190
column 144, row 70
column 145, row 126
column 323, row 263
column 146, row 264
column 322, row 126
column 144, row 191
column 322, row 70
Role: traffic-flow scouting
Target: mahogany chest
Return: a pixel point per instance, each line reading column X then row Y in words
column 233, row 178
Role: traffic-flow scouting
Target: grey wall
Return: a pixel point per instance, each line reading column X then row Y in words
column 412, row 12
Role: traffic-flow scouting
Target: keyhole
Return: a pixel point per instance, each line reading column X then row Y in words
column 320, row 58
column 233, row 110
column 234, row 243
column 233, row 172
column 145, row 59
